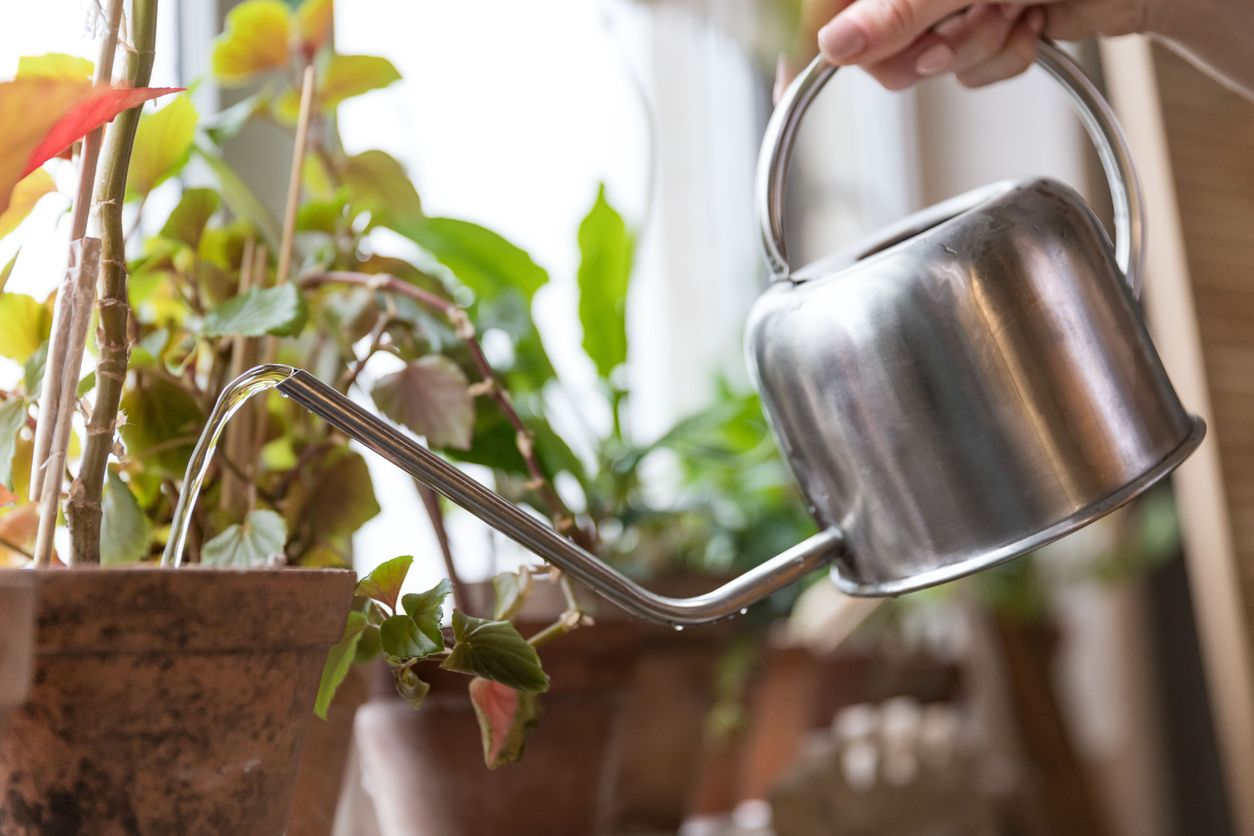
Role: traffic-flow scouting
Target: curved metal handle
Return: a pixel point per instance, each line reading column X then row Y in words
column 1094, row 112
column 515, row 523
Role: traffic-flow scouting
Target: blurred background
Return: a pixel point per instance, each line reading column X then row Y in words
column 1099, row 687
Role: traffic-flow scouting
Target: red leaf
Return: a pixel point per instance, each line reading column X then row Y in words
column 505, row 718
column 96, row 109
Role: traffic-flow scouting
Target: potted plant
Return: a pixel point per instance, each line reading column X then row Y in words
column 172, row 701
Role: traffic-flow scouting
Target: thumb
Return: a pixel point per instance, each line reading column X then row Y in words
column 872, row 30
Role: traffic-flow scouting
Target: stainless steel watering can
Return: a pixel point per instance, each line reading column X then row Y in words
column 961, row 390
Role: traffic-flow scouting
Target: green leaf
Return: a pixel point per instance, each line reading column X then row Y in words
column 240, row 199
column 351, row 75
column 255, row 41
column 186, row 223
column 431, row 396
column 24, row 325
column 512, row 589
column 33, row 371
column 606, row 250
column 495, row 650
column 12, row 417
column 163, row 142
column 262, row 310
column 506, row 716
column 377, row 183
column 370, row 646
column 86, row 384
column 54, row 65
column 253, row 542
column 402, row 639
column 411, row 689
column 384, row 583
column 334, row 500
column 125, row 532
column 479, row 258
column 163, row 421
column 427, row 610
column 228, row 122
column 339, row 660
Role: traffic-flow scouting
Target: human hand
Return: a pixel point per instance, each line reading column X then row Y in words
column 900, row 42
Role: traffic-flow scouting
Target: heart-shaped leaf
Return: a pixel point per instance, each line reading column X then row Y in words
column 163, row 142
column 427, row 609
column 384, row 583
column 334, row 500
column 163, row 421
column 254, row 542
column 125, row 532
column 512, row 589
column 606, row 250
column 339, row 660
column 262, row 310
column 186, row 223
column 432, row 397
column 506, row 716
column 12, row 418
column 401, row 638
column 480, row 258
column 255, row 40
column 351, row 75
column 377, row 183
column 495, row 650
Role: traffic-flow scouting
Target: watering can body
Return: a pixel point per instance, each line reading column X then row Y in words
column 959, row 391
column 966, row 387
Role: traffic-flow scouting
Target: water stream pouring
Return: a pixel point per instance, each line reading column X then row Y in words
column 959, row 391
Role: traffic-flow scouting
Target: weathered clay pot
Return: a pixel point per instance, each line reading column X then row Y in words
column 167, row 701
column 324, row 759
column 424, row 768
column 17, row 619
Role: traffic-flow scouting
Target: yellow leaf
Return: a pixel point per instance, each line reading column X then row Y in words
column 315, row 19
column 352, row 75
column 29, row 108
column 54, row 65
column 25, row 195
column 162, row 141
column 256, row 39
column 24, row 325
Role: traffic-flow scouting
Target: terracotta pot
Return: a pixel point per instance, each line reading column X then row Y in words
column 324, row 759
column 17, row 619
column 167, row 701
column 424, row 768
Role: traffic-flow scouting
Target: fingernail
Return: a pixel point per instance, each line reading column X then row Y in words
column 935, row 59
column 1010, row 10
column 841, row 40
column 1036, row 20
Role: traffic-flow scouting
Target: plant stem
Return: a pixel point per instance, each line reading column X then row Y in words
column 83, row 509
column 431, row 501
column 55, row 365
column 563, row 519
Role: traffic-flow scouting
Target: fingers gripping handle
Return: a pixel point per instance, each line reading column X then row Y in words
column 1094, row 112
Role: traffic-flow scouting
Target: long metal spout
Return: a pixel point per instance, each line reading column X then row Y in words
column 428, row 468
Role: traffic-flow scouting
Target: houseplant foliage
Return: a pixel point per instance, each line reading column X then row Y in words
column 218, row 285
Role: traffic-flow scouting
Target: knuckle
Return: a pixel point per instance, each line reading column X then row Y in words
column 897, row 16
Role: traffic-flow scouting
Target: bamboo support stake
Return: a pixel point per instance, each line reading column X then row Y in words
column 283, row 272
column 79, row 293
column 239, row 432
column 54, row 367
column 84, row 507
